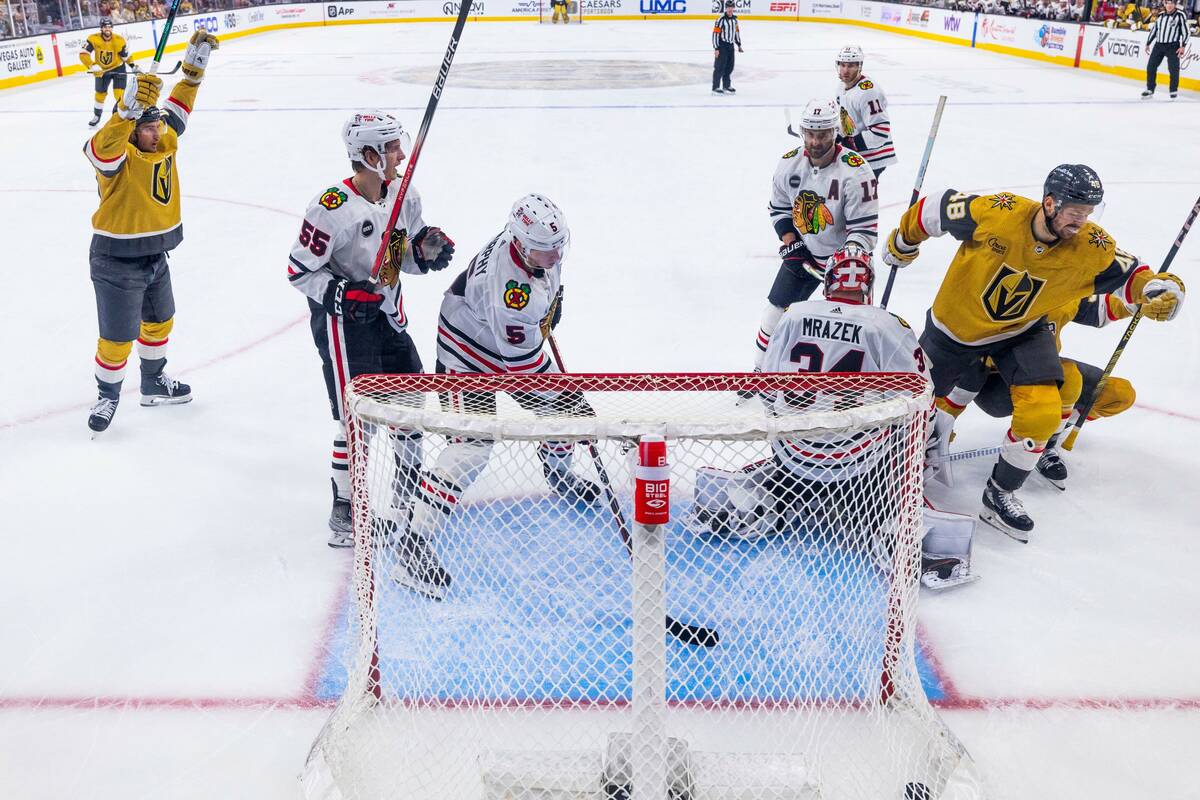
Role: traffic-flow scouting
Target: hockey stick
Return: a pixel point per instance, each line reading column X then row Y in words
column 1069, row 442
column 966, row 455
column 787, row 114
column 688, row 634
column 426, row 121
column 162, row 40
column 916, row 193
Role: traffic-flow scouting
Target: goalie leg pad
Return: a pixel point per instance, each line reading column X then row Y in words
column 733, row 504
column 946, row 549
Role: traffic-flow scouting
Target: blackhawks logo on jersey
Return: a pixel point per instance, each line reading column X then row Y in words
column 791, row 153
column 865, row 84
column 846, row 123
column 333, row 198
column 1004, row 200
column 809, row 212
column 393, row 257
column 853, row 159
column 1099, row 238
column 1010, row 294
column 516, row 295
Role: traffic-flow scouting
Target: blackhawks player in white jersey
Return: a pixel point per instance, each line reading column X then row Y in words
column 866, row 127
column 359, row 327
column 495, row 318
column 824, row 198
column 847, row 477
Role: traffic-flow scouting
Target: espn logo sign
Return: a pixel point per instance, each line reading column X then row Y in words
column 785, row 7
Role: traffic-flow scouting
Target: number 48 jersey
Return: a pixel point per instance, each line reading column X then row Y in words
column 832, row 336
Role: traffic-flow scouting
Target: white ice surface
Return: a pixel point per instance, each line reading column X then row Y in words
column 178, row 565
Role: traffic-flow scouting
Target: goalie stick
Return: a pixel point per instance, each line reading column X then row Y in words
column 426, row 121
column 684, row 632
column 1069, row 441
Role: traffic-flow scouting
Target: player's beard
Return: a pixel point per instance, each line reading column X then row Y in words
column 823, row 155
column 1064, row 230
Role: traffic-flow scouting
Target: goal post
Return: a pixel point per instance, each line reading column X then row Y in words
column 514, row 622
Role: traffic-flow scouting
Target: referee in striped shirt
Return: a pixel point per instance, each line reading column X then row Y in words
column 1168, row 38
column 725, row 38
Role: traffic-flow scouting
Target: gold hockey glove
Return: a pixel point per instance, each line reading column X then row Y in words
column 195, row 58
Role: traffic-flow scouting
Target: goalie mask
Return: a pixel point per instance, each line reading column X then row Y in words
column 540, row 233
column 373, row 130
column 849, row 275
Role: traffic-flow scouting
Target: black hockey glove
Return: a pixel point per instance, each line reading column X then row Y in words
column 797, row 259
column 354, row 301
column 556, row 312
column 432, row 249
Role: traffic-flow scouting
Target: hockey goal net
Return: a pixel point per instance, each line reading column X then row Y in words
column 539, row 642
column 546, row 12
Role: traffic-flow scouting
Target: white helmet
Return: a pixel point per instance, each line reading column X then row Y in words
column 820, row 115
column 373, row 129
column 537, row 224
column 850, row 54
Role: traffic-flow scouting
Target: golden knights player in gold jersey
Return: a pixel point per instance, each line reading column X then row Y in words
column 135, row 226
column 105, row 55
column 1018, row 261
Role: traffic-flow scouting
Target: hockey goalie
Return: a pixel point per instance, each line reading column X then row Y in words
column 839, row 484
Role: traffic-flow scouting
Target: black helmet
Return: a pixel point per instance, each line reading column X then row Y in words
column 106, row 22
column 150, row 114
column 1074, row 183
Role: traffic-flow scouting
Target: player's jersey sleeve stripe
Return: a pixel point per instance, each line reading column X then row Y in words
column 860, row 220
column 106, row 167
column 461, row 349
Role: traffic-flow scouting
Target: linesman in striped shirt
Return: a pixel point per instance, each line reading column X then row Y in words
column 725, row 37
column 1168, row 39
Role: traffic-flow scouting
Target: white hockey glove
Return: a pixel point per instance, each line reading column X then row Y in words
column 1163, row 297
column 195, row 58
column 898, row 252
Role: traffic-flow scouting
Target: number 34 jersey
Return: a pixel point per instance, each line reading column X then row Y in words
column 339, row 238
column 833, row 336
column 495, row 316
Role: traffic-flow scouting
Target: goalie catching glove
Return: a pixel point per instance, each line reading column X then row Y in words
column 1163, row 297
column 898, row 252
column 195, row 58
column 354, row 301
column 142, row 95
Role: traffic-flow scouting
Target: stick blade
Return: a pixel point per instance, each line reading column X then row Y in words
column 693, row 634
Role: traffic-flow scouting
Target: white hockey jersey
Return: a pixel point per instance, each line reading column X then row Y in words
column 834, row 336
column 866, row 125
column 339, row 238
column 494, row 316
column 828, row 206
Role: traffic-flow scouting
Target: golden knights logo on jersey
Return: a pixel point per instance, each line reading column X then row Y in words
column 105, row 57
column 1010, row 294
column 809, row 212
column 160, row 180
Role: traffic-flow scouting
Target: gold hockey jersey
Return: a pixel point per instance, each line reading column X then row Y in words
column 139, row 192
column 1095, row 311
column 1002, row 280
column 108, row 54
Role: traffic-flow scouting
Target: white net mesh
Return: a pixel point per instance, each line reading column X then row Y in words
column 503, row 643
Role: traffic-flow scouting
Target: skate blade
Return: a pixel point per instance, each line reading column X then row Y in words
column 96, row 435
column 998, row 524
column 1060, row 485
column 402, row 578
column 165, row 401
